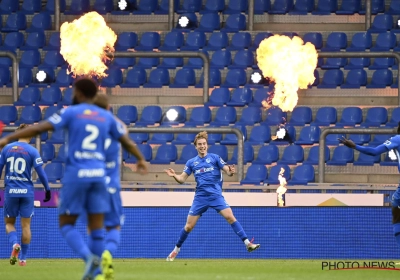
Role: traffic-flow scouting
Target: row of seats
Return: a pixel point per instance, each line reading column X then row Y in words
column 18, row 21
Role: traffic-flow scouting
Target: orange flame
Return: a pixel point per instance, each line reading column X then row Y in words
column 290, row 64
column 85, row 43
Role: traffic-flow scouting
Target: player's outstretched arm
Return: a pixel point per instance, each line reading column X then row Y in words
column 178, row 178
column 45, row 182
column 372, row 151
column 229, row 170
column 131, row 147
column 27, row 132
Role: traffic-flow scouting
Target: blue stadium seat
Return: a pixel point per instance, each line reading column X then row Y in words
column 40, row 22
column 301, row 116
column 215, row 79
column 34, row 41
column 50, row 6
column 51, row 110
column 146, row 151
column 103, row 6
column 163, row 8
column 367, row 160
column 196, row 63
column 360, row 139
column 213, row 6
column 189, row 151
column 190, row 6
column 377, row 6
column 184, row 78
column 161, row 138
column 259, row 135
column 267, row 155
column 8, row 6
column 379, row 139
column 146, row 7
column 349, row 7
column 61, row 156
column 231, row 139
column 28, row 96
column 148, row 62
column 158, row 78
column 381, row 23
column 217, row 41
column 225, row 116
column 237, row 7
column 113, row 79
column 332, row 139
column 394, row 8
column 381, row 78
column 47, row 152
column 221, row 59
column 139, row 137
column 242, row 59
column 309, row 135
column 260, row 95
column 292, row 155
column 355, row 78
column 25, row 77
column 181, row 115
column 302, row 7
column 334, row 63
column 50, row 96
column 123, row 62
column 126, row 40
column 127, row 114
column 149, row 41
column 342, row 155
column 8, row 114
column 78, row 7
column 30, row 115
column 5, row 76
column 200, row 116
column 250, row 116
column 166, row 154
column 235, row 78
column 235, row 23
column 67, row 98
column 194, row 41
column 29, row 59
column 281, row 7
column 314, row 38
column 150, row 115
column 184, row 138
column 219, row 150
column 376, row 116
column 275, row 116
column 313, row 155
column 172, row 41
column 351, row 116
column 248, row 154
column 209, row 22
column 12, row 41
column 303, row 175
column 395, row 118
column 384, row 42
column 63, row 79
column 240, row 41
column 53, row 59
column 360, row 42
column 335, row 42
column 332, row 79
column 274, row 173
column 326, row 7
column 240, row 97
column 382, row 63
column 54, row 42
column 192, row 23
column 258, row 38
column 261, row 6
column 387, row 161
column 357, row 63
column 288, row 139
column 214, row 137
column 54, row 172
column 135, row 77
column 255, row 175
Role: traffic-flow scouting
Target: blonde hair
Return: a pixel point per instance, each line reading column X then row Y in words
column 201, row 135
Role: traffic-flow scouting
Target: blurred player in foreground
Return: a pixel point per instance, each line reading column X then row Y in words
column 207, row 170
column 392, row 144
column 84, row 188
column 19, row 158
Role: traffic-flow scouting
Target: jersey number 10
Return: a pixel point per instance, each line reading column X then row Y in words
column 18, row 165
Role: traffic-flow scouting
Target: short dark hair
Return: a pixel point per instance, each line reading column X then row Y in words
column 87, row 86
column 101, row 100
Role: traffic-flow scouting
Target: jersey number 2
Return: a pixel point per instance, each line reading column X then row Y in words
column 17, row 165
column 87, row 142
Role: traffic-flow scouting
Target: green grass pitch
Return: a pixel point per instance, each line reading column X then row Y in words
column 191, row 269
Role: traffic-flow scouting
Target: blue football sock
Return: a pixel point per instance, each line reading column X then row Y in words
column 97, row 242
column 75, row 241
column 112, row 241
column 237, row 228
column 182, row 237
column 12, row 238
column 24, row 251
column 396, row 231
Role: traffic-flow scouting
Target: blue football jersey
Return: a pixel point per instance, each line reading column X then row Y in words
column 19, row 158
column 207, row 172
column 394, row 144
column 113, row 159
column 86, row 129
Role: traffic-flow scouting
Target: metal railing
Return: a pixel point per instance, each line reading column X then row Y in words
column 57, row 15
column 232, row 130
column 14, row 74
column 326, row 131
column 368, row 55
column 201, row 55
column 368, row 12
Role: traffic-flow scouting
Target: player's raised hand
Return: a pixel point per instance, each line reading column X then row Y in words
column 232, row 168
column 141, row 167
column 170, row 172
column 347, row 142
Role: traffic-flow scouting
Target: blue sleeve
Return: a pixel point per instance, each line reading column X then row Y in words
column 61, row 119
column 372, row 151
column 392, row 143
column 42, row 177
column 37, row 159
column 220, row 162
column 117, row 129
column 188, row 168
